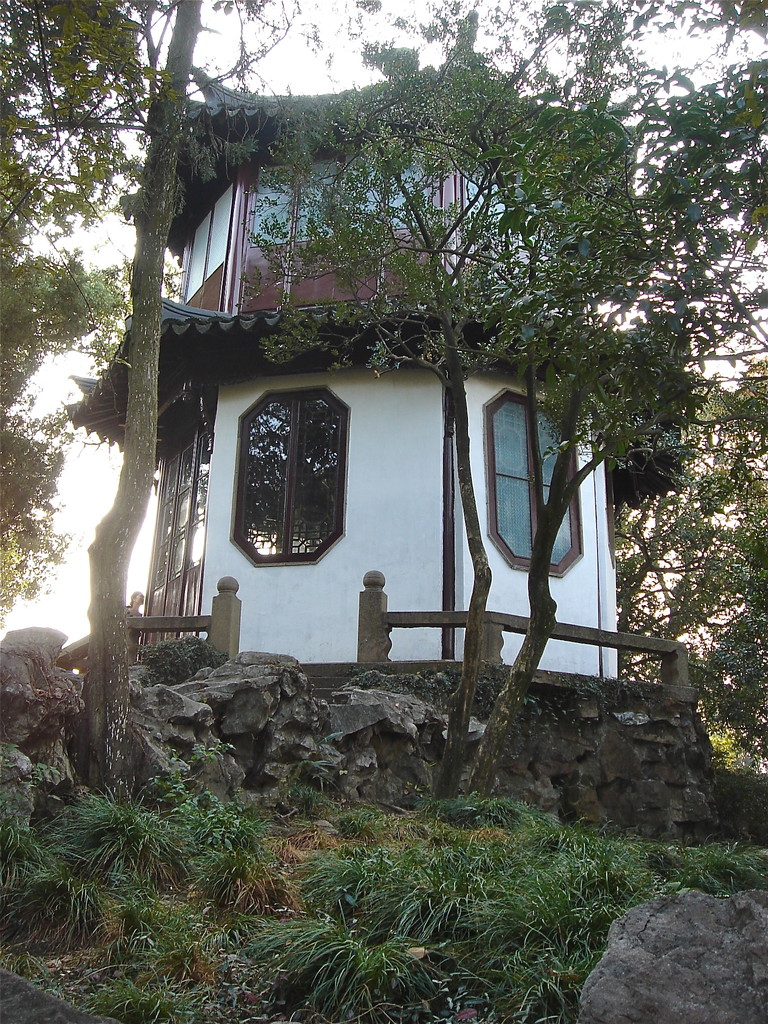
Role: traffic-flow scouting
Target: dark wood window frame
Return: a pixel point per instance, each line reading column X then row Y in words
column 521, row 561
column 175, row 578
column 239, row 533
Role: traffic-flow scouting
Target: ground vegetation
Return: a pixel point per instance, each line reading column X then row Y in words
column 184, row 909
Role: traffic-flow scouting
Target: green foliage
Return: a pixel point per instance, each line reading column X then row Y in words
column 693, row 565
column 175, row 661
column 149, row 1003
column 506, row 918
column 742, row 802
column 111, row 839
column 70, row 75
column 55, row 901
column 211, row 824
column 339, row 973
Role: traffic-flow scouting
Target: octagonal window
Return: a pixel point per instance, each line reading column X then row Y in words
column 290, row 494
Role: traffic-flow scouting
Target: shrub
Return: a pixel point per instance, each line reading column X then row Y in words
column 210, row 823
column 175, row 661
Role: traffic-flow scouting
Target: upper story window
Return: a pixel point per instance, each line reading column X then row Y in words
column 207, row 256
column 283, row 202
column 511, row 497
column 290, row 492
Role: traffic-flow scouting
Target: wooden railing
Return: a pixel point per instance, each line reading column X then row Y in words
column 222, row 627
column 375, row 623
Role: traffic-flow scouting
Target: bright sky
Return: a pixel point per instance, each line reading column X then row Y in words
column 90, row 477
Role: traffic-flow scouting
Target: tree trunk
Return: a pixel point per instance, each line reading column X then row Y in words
column 520, row 676
column 104, row 758
column 543, row 608
column 460, row 704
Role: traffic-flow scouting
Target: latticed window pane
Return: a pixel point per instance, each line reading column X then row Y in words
column 510, row 440
column 316, row 475
column 548, row 442
column 563, row 541
column 513, row 511
column 267, row 476
column 290, row 503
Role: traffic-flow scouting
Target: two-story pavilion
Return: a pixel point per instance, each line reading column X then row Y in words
column 296, row 477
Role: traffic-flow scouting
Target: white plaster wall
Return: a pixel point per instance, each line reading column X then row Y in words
column 585, row 594
column 393, row 523
column 392, row 520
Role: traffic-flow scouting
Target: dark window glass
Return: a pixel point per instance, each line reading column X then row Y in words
column 290, row 492
column 513, row 507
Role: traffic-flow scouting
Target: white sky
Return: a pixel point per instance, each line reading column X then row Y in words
column 89, row 480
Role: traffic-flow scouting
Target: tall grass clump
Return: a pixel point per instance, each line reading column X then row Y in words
column 337, row 972
column 365, row 824
column 56, row 903
column 242, row 881
column 426, row 893
column 714, row 868
column 478, row 812
column 148, row 1003
column 110, row 839
column 20, row 851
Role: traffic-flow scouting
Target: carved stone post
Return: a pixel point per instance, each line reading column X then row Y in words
column 674, row 666
column 493, row 641
column 373, row 643
column 224, row 633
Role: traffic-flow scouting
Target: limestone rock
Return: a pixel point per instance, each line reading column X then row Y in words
column 387, row 741
column 639, row 761
column 17, row 794
column 21, row 1002
column 691, row 958
column 168, row 726
column 263, row 707
column 40, row 703
column 38, row 699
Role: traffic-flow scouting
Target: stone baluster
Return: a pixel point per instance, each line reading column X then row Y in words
column 226, row 608
column 674, row 666
column 493, row 641
column 373, row 641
